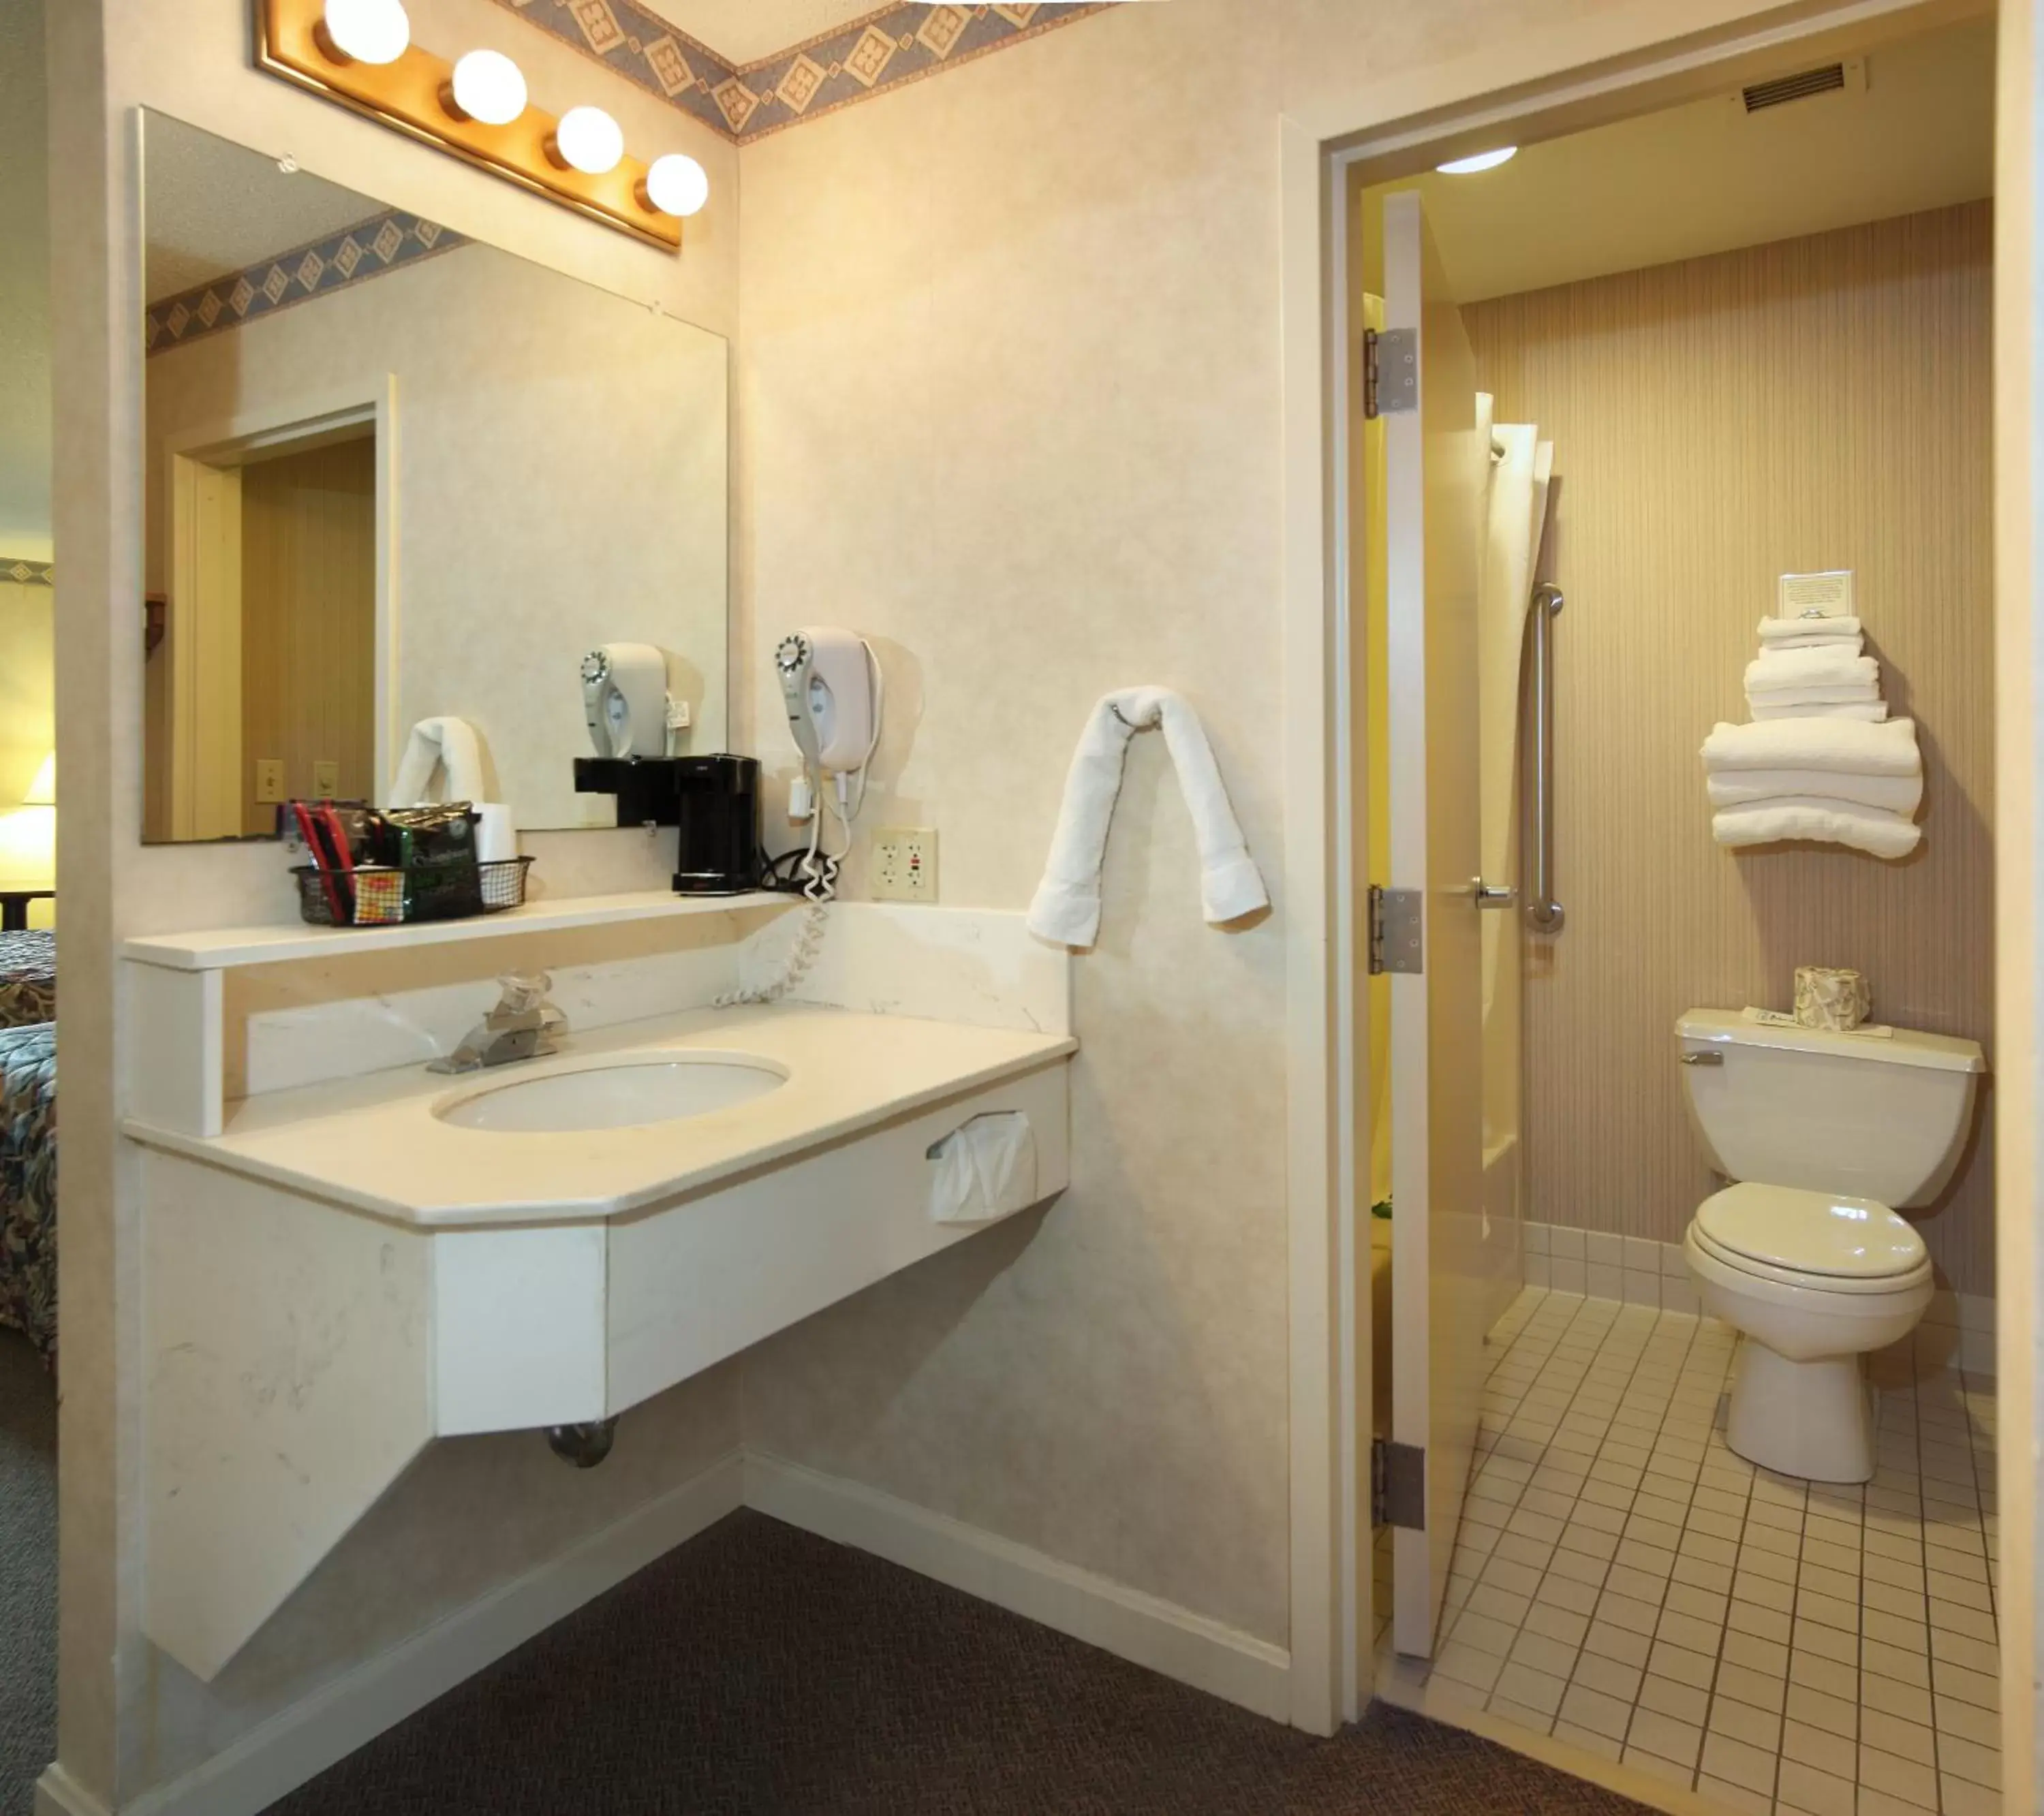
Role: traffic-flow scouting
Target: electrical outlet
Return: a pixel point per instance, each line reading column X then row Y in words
column 904, row 864
column 269, row 778
column 326, row 777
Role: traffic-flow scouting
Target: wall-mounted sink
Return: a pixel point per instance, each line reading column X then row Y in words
column 616, row 1094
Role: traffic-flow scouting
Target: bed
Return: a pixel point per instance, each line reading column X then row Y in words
column 28, row 1137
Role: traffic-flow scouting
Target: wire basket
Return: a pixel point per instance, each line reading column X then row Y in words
column 502, row 881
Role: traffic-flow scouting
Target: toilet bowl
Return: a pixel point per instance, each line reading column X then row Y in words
column 1823, row 1133
column 1814, row 1282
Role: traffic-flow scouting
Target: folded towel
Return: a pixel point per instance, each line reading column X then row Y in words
column 1869, row 709
column 1776, row 669
column 1787, row 630
column 1858, row 749
column 1744, row 788
column 1881, row 835
column 449, row 745
column 1067, row 907
column 1850, row 646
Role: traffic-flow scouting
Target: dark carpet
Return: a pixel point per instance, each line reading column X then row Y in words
column 759, row 1669
column 28, row 1572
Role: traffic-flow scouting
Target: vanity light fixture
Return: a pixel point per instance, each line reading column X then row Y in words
column 586, row 139
column 360, row 54
column 485, row 86
column 1483, row 161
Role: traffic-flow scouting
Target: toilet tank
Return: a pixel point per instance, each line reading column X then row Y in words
column 1865, row 1115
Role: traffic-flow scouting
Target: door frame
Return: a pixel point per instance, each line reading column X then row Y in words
column 1324, row 158
column 232, row 442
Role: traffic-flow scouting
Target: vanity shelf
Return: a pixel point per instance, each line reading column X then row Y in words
column 222, row 949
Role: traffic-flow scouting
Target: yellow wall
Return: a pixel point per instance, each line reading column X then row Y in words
column 28, row 691
column 1816, row 403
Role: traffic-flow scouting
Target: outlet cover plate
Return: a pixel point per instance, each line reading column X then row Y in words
column 904, row 864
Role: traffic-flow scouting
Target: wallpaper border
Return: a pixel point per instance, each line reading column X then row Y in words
column 879, row 50
column 23, row 572
column 383, row 242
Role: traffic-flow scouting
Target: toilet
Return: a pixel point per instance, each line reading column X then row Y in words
column 1823, row 1135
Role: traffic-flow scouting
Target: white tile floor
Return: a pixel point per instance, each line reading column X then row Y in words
column 1625, row 1583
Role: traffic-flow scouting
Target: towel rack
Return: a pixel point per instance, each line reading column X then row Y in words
column 1543, row 913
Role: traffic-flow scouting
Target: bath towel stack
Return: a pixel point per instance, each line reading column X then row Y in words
column 1846, row 781
column 1813, row 668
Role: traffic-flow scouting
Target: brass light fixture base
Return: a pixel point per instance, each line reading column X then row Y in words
column 407, row 95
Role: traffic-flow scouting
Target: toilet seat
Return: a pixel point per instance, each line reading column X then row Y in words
column 1819, row 1241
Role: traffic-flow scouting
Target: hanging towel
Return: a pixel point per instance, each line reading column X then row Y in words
column 1775, row 670
column 1858, row 749
column 1874, row 710
column 1067, row 907
column 1749, row 788
column 1774, row 631
column 447, row 744
column 1882, row 835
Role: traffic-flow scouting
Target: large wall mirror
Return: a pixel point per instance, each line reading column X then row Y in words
column 394, row 475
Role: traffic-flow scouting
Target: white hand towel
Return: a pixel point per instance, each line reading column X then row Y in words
column 1744, row 788
column 1788, row 630
column 1849, row 646
column 1874, row 710
column 1824, row 667
column 1845, row 693
column 1067, row 907
column 1881, row 835
column 448, row 744
column 1858, row 749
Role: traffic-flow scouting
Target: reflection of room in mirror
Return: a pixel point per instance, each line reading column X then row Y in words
column 394, row 474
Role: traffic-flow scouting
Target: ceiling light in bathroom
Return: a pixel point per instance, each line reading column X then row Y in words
column 675, row 185
column 588, row 140
column 365, row 31
column 485, row 86
column 1483, row 161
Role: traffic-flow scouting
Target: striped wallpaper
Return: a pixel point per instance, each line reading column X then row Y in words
column 1818, row 403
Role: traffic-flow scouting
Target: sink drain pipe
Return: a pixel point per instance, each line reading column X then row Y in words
column 585, row 1445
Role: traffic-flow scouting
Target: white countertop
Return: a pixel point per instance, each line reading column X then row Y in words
column 374, row 1144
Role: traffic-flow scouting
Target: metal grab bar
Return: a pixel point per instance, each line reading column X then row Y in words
column 1543, row 913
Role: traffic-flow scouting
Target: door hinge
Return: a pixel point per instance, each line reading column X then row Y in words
column 1395, row 923
column 1397, row 1485
column 1390, row 371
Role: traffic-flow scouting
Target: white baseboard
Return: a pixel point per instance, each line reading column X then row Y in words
column 327, row 1725
column 1143, row 1629
column 57, row 1795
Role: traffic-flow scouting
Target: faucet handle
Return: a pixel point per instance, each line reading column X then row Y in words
column 524, row 990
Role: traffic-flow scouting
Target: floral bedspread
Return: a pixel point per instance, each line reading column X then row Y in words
column 28, row 1183
column 28, row 977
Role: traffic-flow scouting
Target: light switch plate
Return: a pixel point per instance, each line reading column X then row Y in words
column 326, row 777
column 904, row 864
column 269, row 778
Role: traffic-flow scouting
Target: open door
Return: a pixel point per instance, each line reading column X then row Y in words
column 1429, row 934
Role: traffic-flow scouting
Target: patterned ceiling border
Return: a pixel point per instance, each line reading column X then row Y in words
column 369, row 248
column 24, row 572
column 887, row 49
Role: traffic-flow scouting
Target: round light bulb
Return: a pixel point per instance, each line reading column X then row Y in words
column 590, row 139
column 676, row 184
column 488, row 86
column 1483, row 161
column 368, row 31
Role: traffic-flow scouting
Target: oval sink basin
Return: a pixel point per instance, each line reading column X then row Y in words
column 625, row 1094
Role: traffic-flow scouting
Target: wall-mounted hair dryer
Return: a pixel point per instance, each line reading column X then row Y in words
column 624, row 700
column 832, row 685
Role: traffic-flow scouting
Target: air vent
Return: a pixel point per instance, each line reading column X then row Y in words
column 1828, row 80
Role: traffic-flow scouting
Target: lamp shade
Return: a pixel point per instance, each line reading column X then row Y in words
column 43, row 790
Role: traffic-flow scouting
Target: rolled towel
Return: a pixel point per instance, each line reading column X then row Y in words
column 448, row 744
column 1881, row 835
column 1789, row 630
column 1826, row 667
column 1747, row 788
column 1858, row 749
column 1873, row 710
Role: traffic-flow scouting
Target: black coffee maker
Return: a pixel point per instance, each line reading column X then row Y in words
column 713, row 802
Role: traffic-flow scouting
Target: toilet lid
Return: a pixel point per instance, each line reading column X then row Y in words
column 1848, row 1239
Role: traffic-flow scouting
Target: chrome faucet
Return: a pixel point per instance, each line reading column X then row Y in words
column 521, row 1027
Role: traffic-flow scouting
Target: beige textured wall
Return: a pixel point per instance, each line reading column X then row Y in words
column 479, row 1514
column 1816, row 403
column 1009, row 402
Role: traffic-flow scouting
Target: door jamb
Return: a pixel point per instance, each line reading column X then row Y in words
column 1321, row 164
